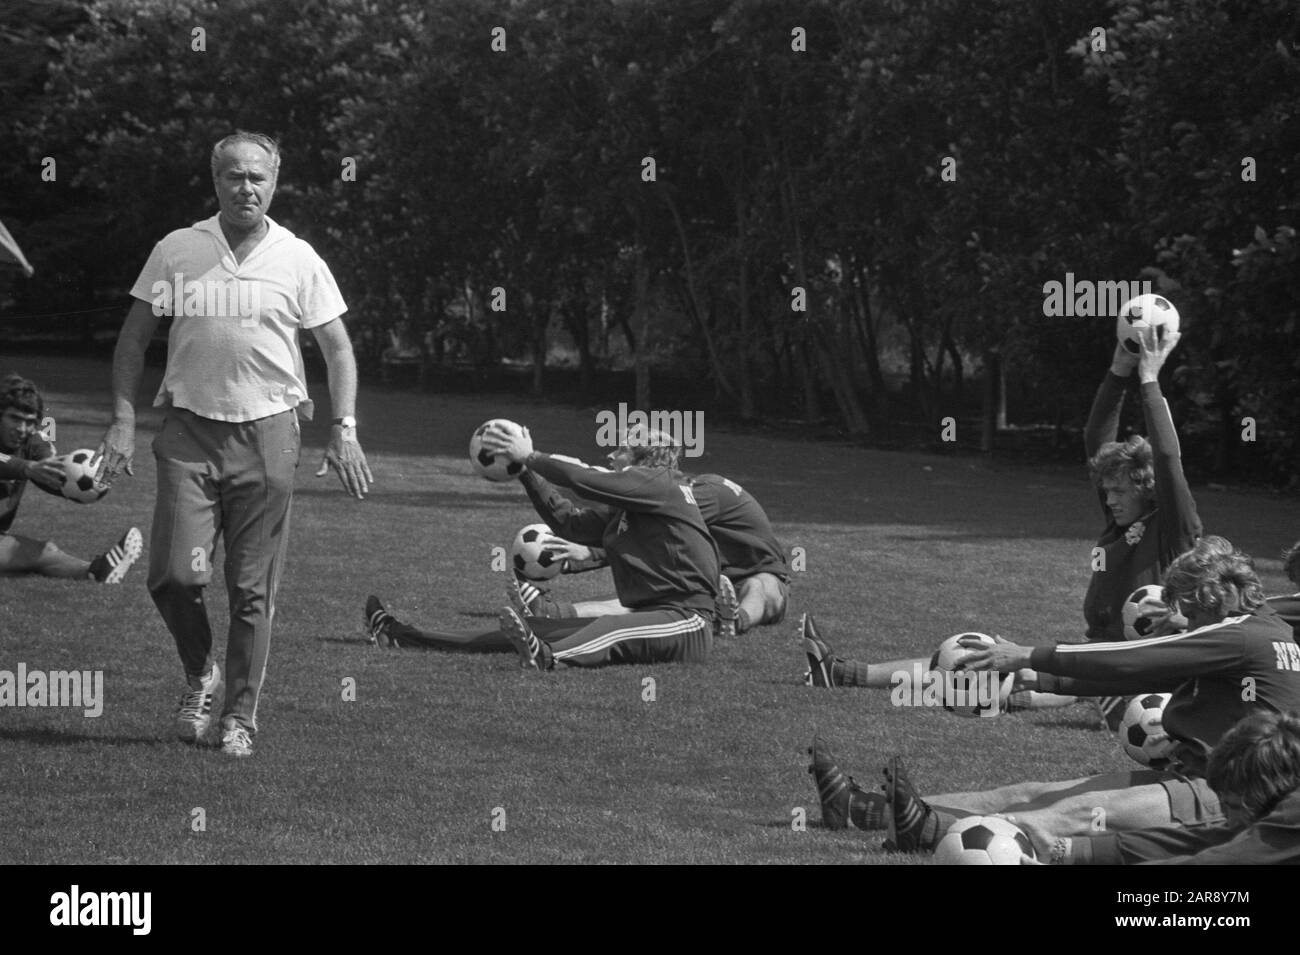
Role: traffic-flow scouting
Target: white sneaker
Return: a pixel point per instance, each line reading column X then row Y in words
column 236, row 742
column 195, row 714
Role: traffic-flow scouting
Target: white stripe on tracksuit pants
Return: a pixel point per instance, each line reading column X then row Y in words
column 667, row 635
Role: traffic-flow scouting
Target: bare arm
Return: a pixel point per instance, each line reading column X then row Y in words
column 118, row 444
column 344, row 452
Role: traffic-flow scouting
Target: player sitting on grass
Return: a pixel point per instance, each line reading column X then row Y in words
column 1238, row 657
column 25, row 456
column 1150, row 519
column 1255, row 770
column 755, row 582
column 664, row 562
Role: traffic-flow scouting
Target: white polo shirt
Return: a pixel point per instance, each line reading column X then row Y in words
column 232, row 354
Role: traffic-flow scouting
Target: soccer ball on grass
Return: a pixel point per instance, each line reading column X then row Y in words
column 948, row 661
column 983, row 840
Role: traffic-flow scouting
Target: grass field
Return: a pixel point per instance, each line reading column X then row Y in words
column 901, row 550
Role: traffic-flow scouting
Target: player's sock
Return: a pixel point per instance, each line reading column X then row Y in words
column 1038, row 700
column 878, row 676
column 843, row 801
column 555, row 609
column 853, row 673
column 913, row 825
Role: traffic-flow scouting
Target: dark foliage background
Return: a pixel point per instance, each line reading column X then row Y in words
column 1152, row 140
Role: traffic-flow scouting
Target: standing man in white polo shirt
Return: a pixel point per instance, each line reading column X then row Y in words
column 239, row 288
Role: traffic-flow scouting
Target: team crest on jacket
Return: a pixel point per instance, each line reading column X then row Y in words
column 1133, row 535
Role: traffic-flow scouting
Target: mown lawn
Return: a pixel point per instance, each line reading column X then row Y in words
column 901, row 550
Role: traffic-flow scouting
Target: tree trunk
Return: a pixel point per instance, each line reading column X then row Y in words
column 812, row 402
column 744, row 375
column 540, row 322
column 692, row 298
column 992, row 399
column 958, row 372
column 641, row 321
column 846, row 396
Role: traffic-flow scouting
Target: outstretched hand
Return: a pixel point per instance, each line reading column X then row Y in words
column 1003, row 656
column 115, row 452
column 345, row 456
column 49, row 474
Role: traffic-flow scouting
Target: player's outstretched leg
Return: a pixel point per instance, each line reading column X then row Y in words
column 914, row 825
column 728, row 607
column 1038, row 700
column 194, row 716
column 111, row 566
column 843, row 800
column 534, row 654
column 821, row 661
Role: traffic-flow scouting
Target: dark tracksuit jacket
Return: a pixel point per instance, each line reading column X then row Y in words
column 1217, row 674
column 1168, row 530
column 646, row 520
column 12, row 483
column 746, row 542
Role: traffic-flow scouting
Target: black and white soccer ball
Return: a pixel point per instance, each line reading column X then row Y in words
column 1138, row 314
column 79, row 482
column 948, row 659
column 494, row 467
column 983, row 840
column 529, row 558
column 1142, row 732
column 1146, row 614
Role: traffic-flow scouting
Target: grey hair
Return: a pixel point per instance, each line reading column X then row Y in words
column 257, row 139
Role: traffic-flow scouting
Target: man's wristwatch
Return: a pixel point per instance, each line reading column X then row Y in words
column 347, row 423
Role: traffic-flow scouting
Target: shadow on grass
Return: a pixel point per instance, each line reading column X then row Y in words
column 48, row 736
column 378, row 498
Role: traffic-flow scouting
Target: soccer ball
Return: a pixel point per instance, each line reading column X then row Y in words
column 947, row 660
column 492, row 466
column 1143, row 312
column 529, row 558
column 1141, row 732
column 79, row 482
column 983, row 840
column 1146, row 614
